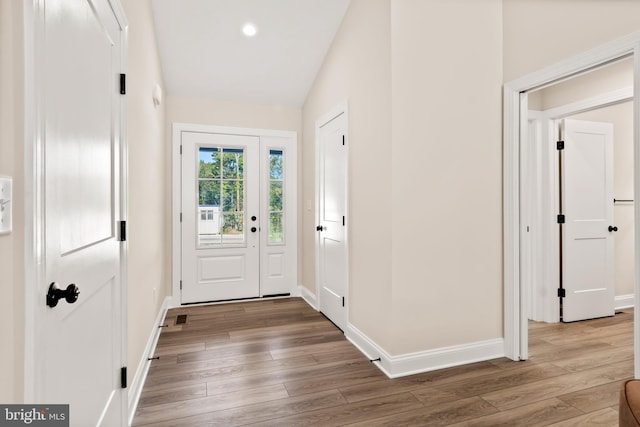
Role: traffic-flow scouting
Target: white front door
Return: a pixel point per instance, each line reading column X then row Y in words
column 79, row 349
column 332, row 273
column 236, row 197
column 587, row 239
column 220, row 222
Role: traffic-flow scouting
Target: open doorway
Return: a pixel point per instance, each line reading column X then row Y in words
column 516, row 130
column 577, row 203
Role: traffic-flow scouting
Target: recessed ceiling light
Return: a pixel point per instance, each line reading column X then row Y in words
column 249, row 30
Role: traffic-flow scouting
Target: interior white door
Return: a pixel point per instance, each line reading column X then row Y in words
column 587, row 242
column 80, row 346
column 332, row 204
column 220, row 217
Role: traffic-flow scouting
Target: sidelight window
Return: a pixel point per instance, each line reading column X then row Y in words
column 276, row 197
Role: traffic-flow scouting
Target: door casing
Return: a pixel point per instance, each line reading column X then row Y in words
column 515, row 122
column 177, row 130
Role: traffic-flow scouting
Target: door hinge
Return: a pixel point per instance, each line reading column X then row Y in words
column 123, row 231
column 342, row 139
column 180, row 216
column 180, row 284
column 560, row 219
column 123, row 84
column 560, row 145
column 343, row 221
column 123, row 377
column 181, row 150
column 343, row 301
column 562, row 293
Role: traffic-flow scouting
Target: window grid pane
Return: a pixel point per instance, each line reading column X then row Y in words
column 220, row 197
column 276, row 197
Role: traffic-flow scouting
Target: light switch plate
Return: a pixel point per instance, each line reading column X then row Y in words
column 6, row 187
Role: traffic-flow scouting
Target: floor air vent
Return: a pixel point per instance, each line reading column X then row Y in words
column 181, row 319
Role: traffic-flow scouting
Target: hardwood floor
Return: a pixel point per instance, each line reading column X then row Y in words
column 280, row 363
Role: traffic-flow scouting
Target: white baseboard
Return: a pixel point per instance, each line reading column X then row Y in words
column 308, row 297
column 143, row 367
column 424, row 361
column 624, row 301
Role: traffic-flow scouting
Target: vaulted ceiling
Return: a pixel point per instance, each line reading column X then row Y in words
column 204, row 52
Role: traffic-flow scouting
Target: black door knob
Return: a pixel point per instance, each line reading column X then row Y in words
column 253, row 229
column 612, row 228
column 253, row 218
column 319, row 228
column 55, row 294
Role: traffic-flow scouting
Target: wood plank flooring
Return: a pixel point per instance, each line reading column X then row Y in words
column 280, row 363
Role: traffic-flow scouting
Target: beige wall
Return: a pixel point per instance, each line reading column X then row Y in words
column 229, row 113
column 148, row 222
column 603, row 80
column 446, row 172
column 12, row 164
column 358, row 68
column 425, row 192
column 538, row 33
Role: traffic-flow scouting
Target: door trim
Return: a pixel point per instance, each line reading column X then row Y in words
column 340, row 109
column 176, row 191
column 34, row 203
column 515, row 317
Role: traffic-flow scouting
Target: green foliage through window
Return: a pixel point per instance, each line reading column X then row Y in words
column 276, row 197
column 221, row 188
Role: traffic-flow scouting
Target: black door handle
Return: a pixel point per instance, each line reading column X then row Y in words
column 55, row 294
column 320, row 228
column 612, row 228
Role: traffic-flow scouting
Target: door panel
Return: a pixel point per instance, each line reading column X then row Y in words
column 81, row 342
column 332, row 253
column 220, row 198
column 588, row 275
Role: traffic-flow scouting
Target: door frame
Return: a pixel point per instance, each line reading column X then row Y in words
column 34, row 201
column 340, row 109
column 176, row 192
column 515, row 121
column 542, row 173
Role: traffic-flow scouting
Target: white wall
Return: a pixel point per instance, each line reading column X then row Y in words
column 148, row 221
column 12, row 164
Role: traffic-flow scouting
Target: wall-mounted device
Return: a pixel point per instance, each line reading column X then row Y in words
column 6, row 184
